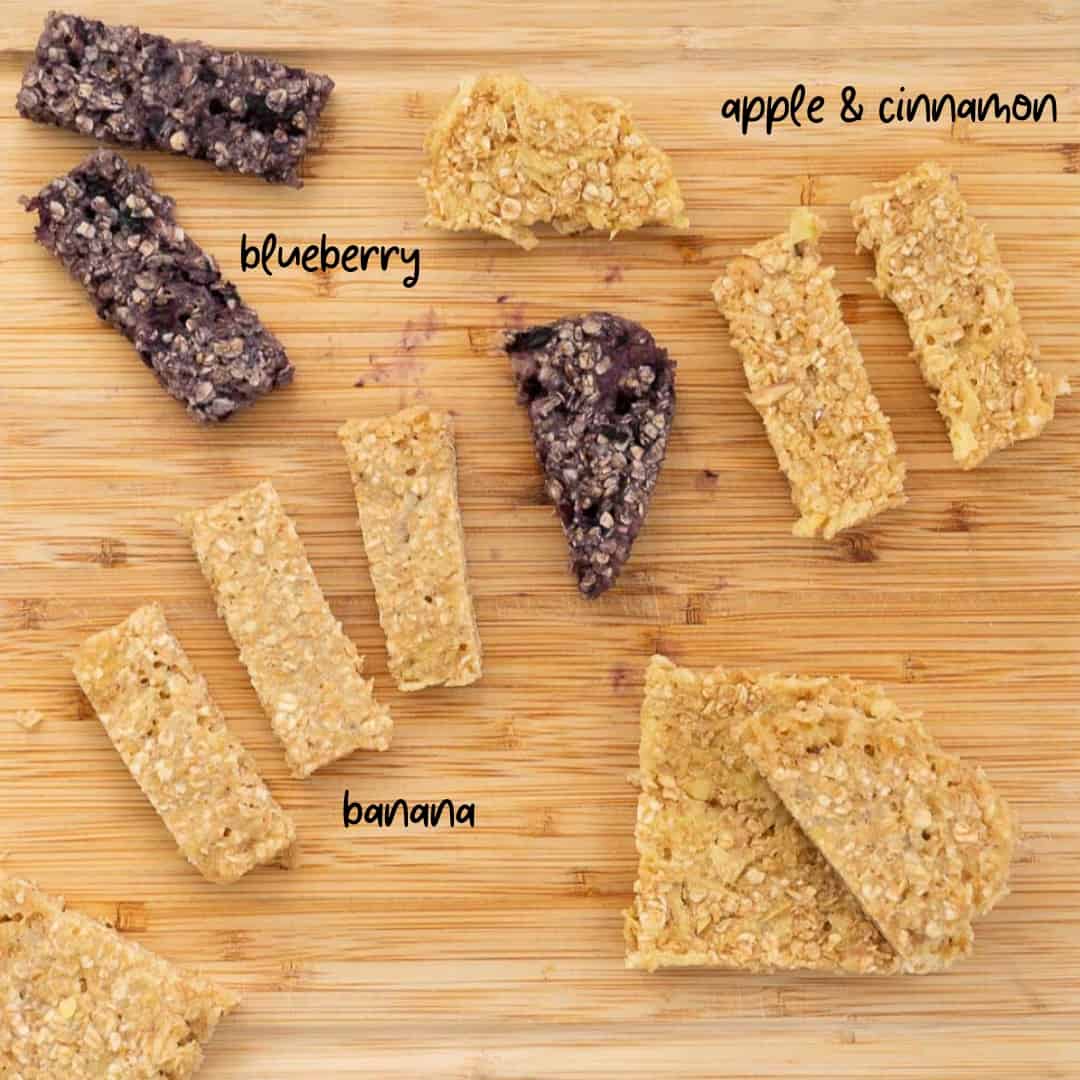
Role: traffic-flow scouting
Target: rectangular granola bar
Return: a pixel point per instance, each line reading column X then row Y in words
column 942, row 269
column 78, row 1002
column 808, row 382
column 244, row 113
column 118, row 236
column 726, row 877
column 159, row 714
column 305, row 671
column 404, row 472
column 919, row 836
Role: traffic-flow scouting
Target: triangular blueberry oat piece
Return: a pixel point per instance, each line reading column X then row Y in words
column 601, row 397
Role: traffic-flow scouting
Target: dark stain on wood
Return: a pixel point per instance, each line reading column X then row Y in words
column 959, row 518
column 857, row 546
column 706, row 480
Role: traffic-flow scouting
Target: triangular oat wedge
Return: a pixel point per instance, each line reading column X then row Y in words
column 726, row 877
column 919, row 836
column 505, row 156
column 601, row 397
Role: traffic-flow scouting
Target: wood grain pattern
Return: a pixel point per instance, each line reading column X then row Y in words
column 496, row 954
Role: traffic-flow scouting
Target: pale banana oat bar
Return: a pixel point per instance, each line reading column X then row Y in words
column 806, row 377
column 78, row 1002
column 919, row 836
column 942, row 269
column 170, row 733
column 726, row 877
column 506, row 156
column 404, row 472
column 304, row 669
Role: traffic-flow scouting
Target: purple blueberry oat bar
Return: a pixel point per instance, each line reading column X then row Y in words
column 248, row 114
column 601, row 397
column 117, row 235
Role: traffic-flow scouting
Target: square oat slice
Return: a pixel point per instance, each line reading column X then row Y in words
column 807, row 381
column 158, row 712
column 919, row 836
column 305, row 671
column 404, row 473
column 942, row 269
column 726, row 877
column 78, row 1002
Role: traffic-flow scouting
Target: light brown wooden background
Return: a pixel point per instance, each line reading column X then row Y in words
column 496, row 954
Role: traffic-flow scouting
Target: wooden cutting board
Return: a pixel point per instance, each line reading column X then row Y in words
column 496, row 953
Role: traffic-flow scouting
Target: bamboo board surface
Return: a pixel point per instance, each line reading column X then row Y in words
column 496, row 953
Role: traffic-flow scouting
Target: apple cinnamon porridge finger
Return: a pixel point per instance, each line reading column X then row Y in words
column 305, row 671
column 942, row 269
column 808, row 383
column 158, row 713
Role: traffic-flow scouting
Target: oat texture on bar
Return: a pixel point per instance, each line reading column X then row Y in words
column 304, row 669
column 942, row 269
column 118, row 236
column 807, row 381
column 726, row 877
column 505, row 156
column 404, row 472
column 240, row 112
column 600, row 394
column 919, row 836
column 78, row 1002
column 161, row 718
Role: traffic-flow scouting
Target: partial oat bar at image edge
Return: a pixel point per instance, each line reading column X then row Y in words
column 80, row 1001
column 159, row 714
column 807, row 380
column 726, row 878
column 404, row 472
column 305, row 670
column 942, row 270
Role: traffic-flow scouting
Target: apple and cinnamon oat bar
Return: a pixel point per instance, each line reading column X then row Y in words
column 807, row 381
column 160, row 716
column 78, row 1002
column 305, row 670
column 506, row 156
column 726, row 877
column 942, row 269
column 404, row 472
column 919, row 836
